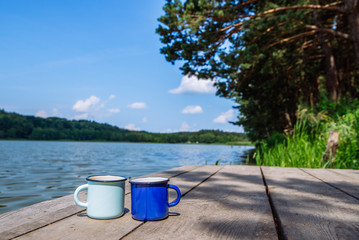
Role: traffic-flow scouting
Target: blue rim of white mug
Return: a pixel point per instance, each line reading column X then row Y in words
column 149, row 180
column 111, row 178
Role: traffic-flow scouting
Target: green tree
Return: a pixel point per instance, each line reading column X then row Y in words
column 36, row 134
column 207, row 138
column 268, row 56
column 16, row 126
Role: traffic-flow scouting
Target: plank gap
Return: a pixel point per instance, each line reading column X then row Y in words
column 201, row 182
column 331, row 185
column 182, row 195
column 132, row 230
column 24, row 230
column 45, row 225
column 181, row 173
column 276, row 219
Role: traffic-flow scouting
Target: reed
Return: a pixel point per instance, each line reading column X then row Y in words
column 305, row 146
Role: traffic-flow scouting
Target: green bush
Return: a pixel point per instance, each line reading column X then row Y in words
column 305, row 145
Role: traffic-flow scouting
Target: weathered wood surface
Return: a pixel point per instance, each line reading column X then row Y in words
column 82, row 227
column 352, row 175
column 308, row 208
column 27, row 219
column 219, row 202
column 230, row 205
column 343, row 180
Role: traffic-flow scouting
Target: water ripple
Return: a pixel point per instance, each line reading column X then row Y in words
column 35, row 171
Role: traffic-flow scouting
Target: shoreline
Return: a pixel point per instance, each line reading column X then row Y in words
column 245, row 143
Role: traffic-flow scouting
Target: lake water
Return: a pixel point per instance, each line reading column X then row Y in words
column 35, row 171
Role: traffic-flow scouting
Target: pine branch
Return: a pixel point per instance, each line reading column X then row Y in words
column 290, row 39
column 246, row 18
column 330, row 31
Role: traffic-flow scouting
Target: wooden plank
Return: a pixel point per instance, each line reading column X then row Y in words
column 191, row 179
column 341, row 181
column 310, row 209
column 173, row 172
column 27, row 219
column 82, row 227
column 20, row 221
column 349, row 174
column 232, row 204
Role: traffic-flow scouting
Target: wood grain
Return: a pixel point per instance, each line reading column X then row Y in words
column 352, row 175
column 219, row 202
column 232, row 204
column 36, row 216
column 20, row 221
column 310, row 209
column 82, row 227
column 343, row 181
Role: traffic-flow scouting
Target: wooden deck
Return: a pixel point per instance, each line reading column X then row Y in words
column 218, row 202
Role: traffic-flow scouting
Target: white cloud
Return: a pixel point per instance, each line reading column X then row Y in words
column 56, row 112
column 194, row 85
column 41, row 114
column 93, row 108
column 85, row 105
column 81, row 116
column 138, row 105
column 132, row 127
column 192, row 109
column 225, row 117
column 114, row 110
column 184, row 127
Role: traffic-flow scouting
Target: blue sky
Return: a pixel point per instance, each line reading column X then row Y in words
column 100, row 60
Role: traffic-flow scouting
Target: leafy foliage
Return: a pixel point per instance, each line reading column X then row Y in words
column 306, row 145
column 15, row 126
column 268, row 56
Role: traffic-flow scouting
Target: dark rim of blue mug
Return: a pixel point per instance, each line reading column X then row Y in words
column 133, row 181
column 94, row 180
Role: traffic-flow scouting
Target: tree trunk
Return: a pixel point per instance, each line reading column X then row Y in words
column 352, row 6
column 332, row 82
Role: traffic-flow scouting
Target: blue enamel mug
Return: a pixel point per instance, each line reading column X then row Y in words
column 149, row 198
column 105, row 196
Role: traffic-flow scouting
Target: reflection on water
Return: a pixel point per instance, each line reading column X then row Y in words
column 35, row 171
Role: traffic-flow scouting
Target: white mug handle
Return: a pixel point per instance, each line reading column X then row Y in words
column 76, row 197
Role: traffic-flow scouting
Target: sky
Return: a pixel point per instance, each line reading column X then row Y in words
column 100, row 61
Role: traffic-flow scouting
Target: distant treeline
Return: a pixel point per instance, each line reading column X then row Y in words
column 16, row 126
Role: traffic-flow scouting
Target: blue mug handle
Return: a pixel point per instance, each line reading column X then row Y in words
column 175, row 202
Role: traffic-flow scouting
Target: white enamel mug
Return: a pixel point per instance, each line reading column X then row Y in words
column 105, row 196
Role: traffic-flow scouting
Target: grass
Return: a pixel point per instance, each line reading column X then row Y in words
column 305, row 146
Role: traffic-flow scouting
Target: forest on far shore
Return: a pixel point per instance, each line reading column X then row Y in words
column 16, row 126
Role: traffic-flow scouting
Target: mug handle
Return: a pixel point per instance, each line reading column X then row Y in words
column 76, row 195
column 175, row 202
